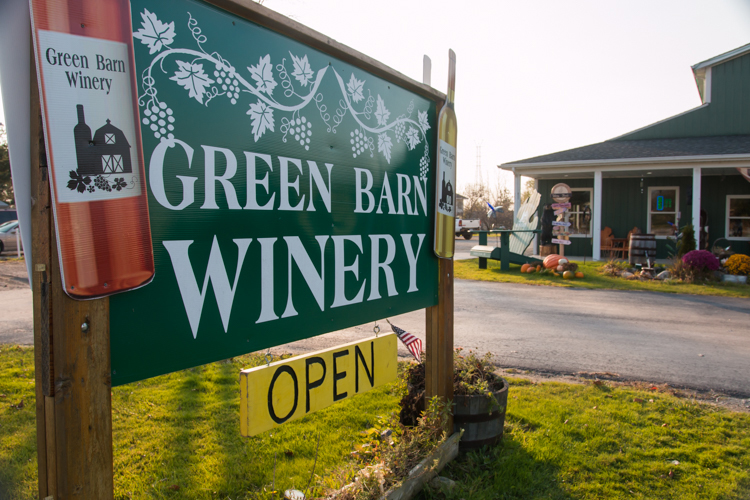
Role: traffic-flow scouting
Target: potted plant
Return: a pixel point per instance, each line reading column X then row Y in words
column 479, row 399
column 738, row 267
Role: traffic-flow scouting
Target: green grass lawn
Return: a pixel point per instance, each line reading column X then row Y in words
column 594, row 279
column 177, row 436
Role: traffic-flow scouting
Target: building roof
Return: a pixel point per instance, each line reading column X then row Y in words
column 726, row 56
column 649, row 148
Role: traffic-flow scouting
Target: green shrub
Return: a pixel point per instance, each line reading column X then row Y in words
column 687, row 242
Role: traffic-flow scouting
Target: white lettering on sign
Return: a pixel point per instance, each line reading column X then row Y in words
column 347, row 252
column 402, row 195
column 560, row 223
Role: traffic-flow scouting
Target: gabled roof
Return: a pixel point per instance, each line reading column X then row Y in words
column 649, row 148
column 722, row 58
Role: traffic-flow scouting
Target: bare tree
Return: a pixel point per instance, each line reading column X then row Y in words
column 479, row 194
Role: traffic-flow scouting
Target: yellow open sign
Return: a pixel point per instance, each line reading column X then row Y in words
column 290, row 389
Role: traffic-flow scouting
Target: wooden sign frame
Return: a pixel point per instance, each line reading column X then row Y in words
column 71, row 337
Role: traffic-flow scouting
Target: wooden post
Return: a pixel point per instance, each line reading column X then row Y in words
column 71, row 355
column 439, row 341
column 40, row 224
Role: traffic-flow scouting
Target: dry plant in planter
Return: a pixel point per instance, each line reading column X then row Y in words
column 388, row 453
column 479, row 401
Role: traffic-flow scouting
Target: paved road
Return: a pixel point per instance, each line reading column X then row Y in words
column 637, row 335
column 15, row 316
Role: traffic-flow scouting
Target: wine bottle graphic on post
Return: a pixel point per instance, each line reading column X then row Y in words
column 446, row 180
column 84, row 58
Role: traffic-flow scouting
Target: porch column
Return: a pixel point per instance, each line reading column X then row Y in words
column 516, row 193
column 596, row 220
column 697, row 204
column 536, row 236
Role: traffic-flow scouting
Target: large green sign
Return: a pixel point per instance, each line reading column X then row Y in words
column 290, row 193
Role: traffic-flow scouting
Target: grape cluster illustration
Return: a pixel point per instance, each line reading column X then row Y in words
column 400, row 131
column 301, row 129
column 159, row 118
column 359, row 143
column 229, row 84
column 102, row 183
column 424, row 167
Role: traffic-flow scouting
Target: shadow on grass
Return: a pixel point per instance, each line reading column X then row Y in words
column 504, row 471
column 18, row 471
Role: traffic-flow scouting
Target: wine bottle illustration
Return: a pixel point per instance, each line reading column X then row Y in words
column 445, row 197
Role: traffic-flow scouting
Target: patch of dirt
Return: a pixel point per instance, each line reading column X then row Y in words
column 13, row 274
column 712, row 398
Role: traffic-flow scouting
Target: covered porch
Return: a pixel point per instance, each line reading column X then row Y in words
column 657, row 195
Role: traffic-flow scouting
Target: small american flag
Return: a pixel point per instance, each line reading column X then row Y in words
column 410, row 341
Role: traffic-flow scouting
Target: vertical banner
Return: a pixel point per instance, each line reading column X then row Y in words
column 84, row 56
column 445, row 211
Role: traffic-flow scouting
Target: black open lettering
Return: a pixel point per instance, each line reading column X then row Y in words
column 276, row 375
column 338, row 376
column 312, row 385
column 357, row 356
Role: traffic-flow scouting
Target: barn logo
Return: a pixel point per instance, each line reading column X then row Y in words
column 103, row 160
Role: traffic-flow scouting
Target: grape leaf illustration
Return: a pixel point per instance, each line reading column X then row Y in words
column 381, row 113
column 192, row 77
column 412, row 138
column 355, row 88
column 423, row 120
column 384, row 145
column 302, row 70
column 78, row 182
column 261, row 117
column 154, row 33
column 262, row 73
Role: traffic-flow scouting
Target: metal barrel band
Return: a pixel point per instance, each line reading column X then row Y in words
column 476, row 419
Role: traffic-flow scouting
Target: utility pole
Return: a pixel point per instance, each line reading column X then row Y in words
column 478, row 171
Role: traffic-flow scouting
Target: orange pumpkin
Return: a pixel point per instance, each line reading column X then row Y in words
column 579, row 274
column 530, row 269
column 553, row 260
column 538, row 268
column 525, row 268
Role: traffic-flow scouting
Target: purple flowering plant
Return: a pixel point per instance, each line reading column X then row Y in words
column 701, row 260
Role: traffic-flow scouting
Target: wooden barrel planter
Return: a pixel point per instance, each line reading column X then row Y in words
column 481, row 427
column 640, row 245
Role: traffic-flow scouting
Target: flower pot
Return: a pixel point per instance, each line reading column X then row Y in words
column 481, row 426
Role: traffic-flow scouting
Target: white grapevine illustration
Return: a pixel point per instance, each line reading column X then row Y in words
column 207, row 76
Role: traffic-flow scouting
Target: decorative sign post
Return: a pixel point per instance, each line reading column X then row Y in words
column 269, row 184
column 561, row 194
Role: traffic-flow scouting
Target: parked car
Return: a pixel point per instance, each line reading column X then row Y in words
column 8, row 236
column 464, row 227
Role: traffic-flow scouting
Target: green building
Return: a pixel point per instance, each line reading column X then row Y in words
column 666, row 174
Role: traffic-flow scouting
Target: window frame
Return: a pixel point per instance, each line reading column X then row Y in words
column 649, row 213
column 591, row 204
column 726, row 218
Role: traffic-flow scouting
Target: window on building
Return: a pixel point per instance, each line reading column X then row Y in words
column 580, row 212
column 738, row 217
column 663, row 209
column 109, row 138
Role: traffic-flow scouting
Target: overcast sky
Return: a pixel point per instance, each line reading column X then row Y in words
column 535, row 77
